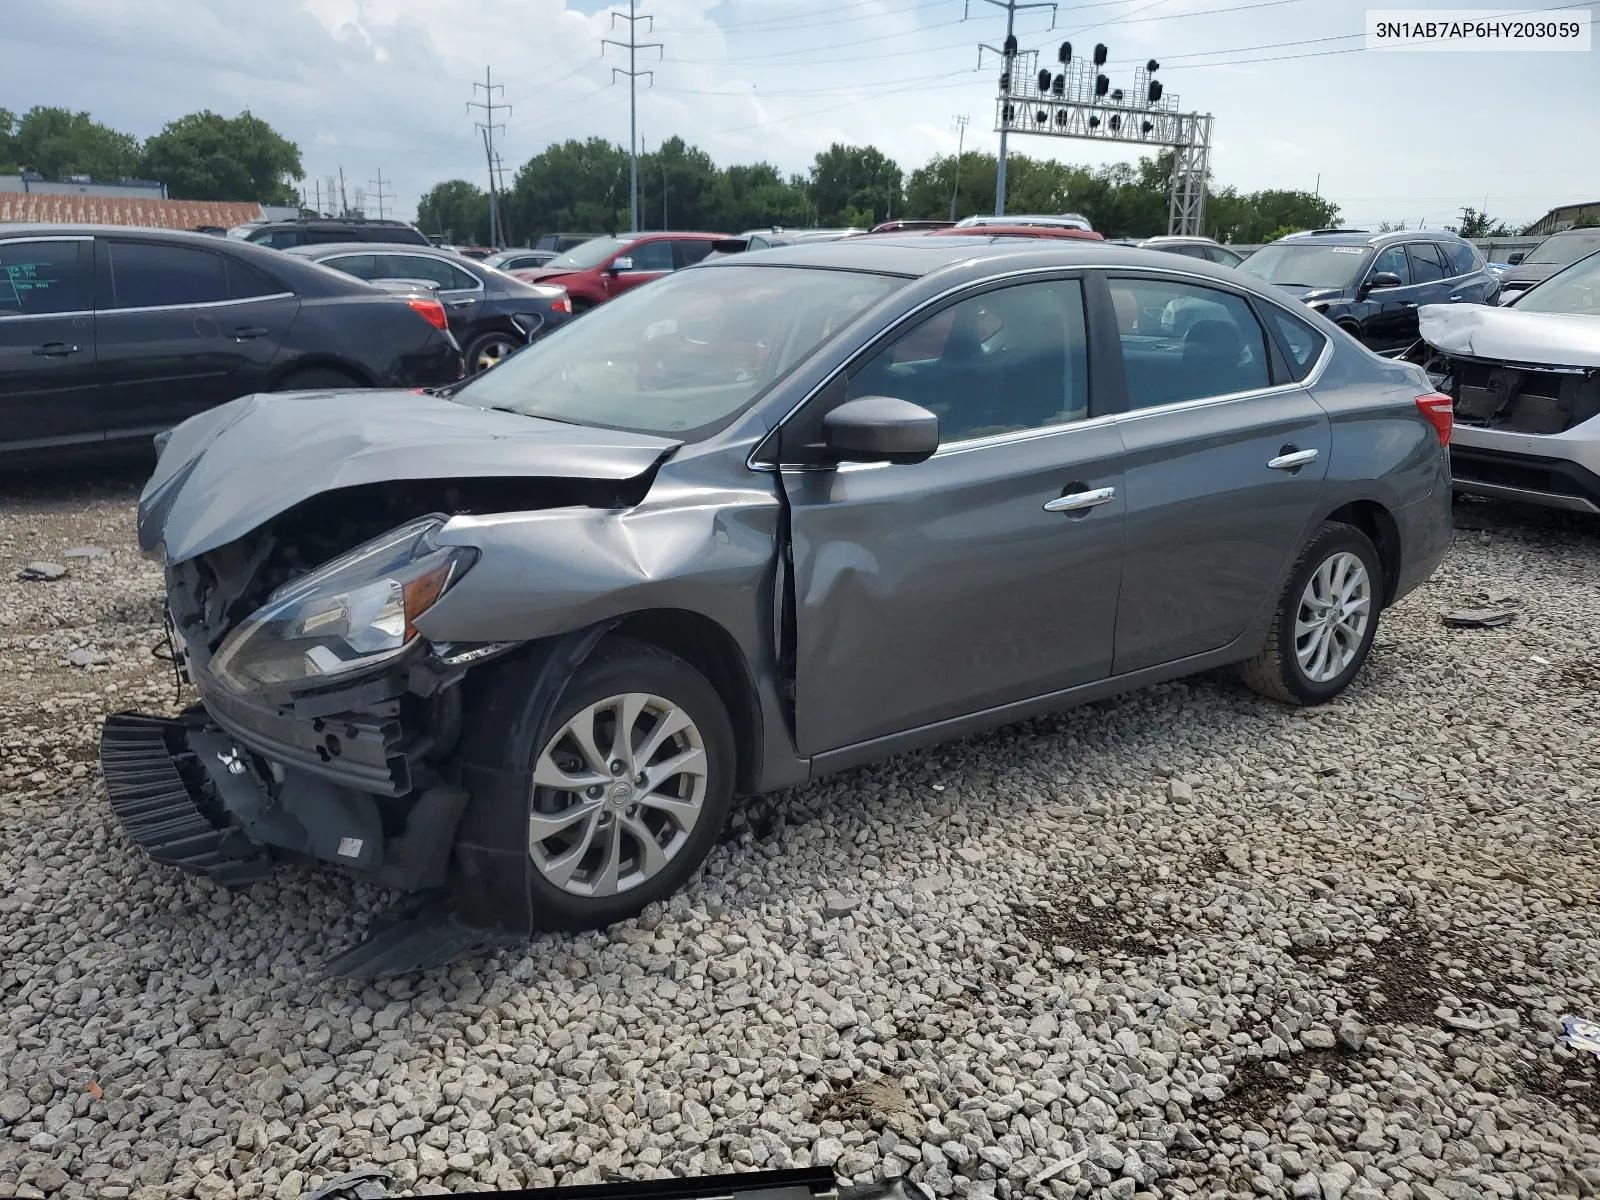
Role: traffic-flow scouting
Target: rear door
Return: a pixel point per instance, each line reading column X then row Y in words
column 1225, row 457
column 460, row 292
column 47, row 342
column 181, row 328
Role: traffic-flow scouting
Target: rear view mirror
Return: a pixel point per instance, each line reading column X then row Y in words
column 622, row 264
column 1514, row 259
column 881, row 429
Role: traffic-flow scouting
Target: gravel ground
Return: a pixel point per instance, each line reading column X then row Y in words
column 1180, row 942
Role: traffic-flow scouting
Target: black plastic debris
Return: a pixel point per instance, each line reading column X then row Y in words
column 41, row 572
column 1479, row 618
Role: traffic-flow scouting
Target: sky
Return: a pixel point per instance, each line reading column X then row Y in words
column 384, row 85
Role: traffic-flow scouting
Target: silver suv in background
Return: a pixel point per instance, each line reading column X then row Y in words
column 1557, row 251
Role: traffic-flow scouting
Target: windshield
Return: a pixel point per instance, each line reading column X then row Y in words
column 688, row 351
column 1560, row 249
column 1575, row 290
column 1307, row 266
column 589, row 254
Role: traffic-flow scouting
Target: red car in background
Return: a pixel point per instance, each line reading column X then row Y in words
column 604, row 267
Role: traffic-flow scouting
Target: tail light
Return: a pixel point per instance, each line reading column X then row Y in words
column 431, row 311
column 1440, row 412
column 563, row 305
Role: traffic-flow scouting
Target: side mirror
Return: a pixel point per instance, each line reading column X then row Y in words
column 1382, row 279
column 1515, row 258
column 881, row 429
column 625, row 263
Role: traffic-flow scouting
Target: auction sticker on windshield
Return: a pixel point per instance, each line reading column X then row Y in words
column 1478, row 29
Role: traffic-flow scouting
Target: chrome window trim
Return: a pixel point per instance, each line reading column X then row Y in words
column 77, row 312
column 146, row 308
column 48, row 237
column 999, row 439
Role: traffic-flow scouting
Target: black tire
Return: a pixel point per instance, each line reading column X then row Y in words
column 485, row 342
column 497, row 880
column 308, row 379
column 1278, row 672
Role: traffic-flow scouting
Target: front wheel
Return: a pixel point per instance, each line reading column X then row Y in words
column 1325, row 622
column 619, row 796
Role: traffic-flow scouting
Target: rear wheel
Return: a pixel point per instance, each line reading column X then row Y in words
column 489, row 349
column 618, row 798
column 310, row 378
column 1325, row 622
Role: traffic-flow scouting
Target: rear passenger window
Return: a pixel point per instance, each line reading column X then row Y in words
column 362, row 266
column 1463, row 258
column 1185, row 342
column 1425, row 264
column 1006, row 361
column 691, row 252
column 1302, row 342
column 43, row 277
column 244, row 282
column 144, row 275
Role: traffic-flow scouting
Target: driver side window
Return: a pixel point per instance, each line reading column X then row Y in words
column 1394, row 259
column 650, row 256
column 1005, row 361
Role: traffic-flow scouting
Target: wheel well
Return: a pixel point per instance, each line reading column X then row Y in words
column 711, row 650
column 356, row 374
column 1374, row 520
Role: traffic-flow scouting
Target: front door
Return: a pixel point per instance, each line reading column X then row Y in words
column 985, row 575
column 181, row 329
column 47, row 343
column 1391, row 325
column 1222, row 471
column 639, row 263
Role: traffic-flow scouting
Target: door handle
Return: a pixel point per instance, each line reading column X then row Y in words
column 1457, row 296
column 55, row 350
column 1078, row 501
column 1292, row 460
column 460, row 303
column 1408, row 304
column 245, row 332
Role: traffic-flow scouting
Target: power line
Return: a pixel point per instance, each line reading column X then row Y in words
column 378, row 194
column 487, row 126
column 633, row 45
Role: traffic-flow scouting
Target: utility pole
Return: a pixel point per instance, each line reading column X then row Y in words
column 500, row 186
column 319, row 198
column 344, row 201
column 1008, row 53
column 961, row 137
column 633, row 45
column 488, row 125
column 378, row 194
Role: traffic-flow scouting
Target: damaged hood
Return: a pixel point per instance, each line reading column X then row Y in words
column 1505, row 334
column 225, row 471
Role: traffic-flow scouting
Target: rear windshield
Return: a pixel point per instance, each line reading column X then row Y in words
column 683, row 354
column 590, row 254
column 1289, row 265
column 1563, row 248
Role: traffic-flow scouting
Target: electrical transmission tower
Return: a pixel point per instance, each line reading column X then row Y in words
column 1008, row 53
column 488, row 125
column 633, row 45
column 378, row 194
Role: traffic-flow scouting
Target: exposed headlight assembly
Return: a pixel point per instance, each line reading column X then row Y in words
column 355, row 613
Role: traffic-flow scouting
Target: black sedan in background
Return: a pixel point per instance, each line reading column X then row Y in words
column 491, row 314
column 1371, row 284
column 110, row 335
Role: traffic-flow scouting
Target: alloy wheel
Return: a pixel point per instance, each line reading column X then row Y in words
column 617, row 791
column 491, row 352
column 1332, row 618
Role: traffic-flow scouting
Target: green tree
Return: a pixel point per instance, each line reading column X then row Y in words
column 456, row 211
column 754, row 197
column 1254, row 217
column 574, row 187
column 930, row 188
column 853, row 185
column 9, row 164
column 57, row 142
column 206, row 156
column 1475, row 224
column 687, row 174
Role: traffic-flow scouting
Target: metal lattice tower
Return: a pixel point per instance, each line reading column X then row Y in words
column 378, row 194
column 1078, row 103
column 633, row 45
column 488, row 125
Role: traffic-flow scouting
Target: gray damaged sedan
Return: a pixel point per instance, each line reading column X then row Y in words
column 520, row 642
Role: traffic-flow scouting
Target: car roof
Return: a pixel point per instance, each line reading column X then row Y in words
column 1360, row 237
column 317, row 249
column 1063, row 232
column 1175, row 239
column 655, row 234
column 914, row 256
